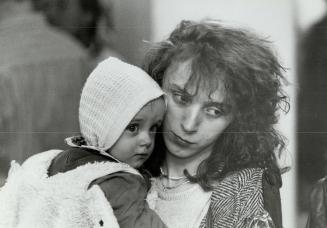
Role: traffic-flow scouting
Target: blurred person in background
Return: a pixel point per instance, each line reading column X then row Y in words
column 78, row 18
column 312, row 124
column 89, row 21
column 106, row 34
column 42, row 71
column 312, row 110
column 318, row 205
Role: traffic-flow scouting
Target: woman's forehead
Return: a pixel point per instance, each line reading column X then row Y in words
column 180, row 76
column 181, row 69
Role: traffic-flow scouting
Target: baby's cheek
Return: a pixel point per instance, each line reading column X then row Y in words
column 151, row 147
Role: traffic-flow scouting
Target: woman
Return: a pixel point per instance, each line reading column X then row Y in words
column 215, row 163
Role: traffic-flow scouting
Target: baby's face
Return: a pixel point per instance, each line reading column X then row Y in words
column 136, row 143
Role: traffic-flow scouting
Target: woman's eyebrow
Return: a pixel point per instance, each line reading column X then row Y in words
column 221, row 105
column 216, row 103
column 180, row 88
column 136, row 120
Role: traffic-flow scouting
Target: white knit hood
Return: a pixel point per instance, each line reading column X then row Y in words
column 113, row 94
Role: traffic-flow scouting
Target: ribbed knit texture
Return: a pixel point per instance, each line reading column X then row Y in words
column 113, row 94
column 236, row 202
column 183, row 207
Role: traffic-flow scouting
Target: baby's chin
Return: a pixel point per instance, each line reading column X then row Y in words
column 137, row 163
column 136, row 166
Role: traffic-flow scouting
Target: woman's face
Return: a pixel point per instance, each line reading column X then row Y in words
column 192, row 123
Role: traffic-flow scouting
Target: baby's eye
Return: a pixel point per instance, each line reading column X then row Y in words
column 214, row 112
column 132, row 128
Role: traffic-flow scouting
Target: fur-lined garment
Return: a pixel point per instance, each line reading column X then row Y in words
column 32, row 199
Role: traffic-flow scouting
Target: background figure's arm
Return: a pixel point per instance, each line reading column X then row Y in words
column 318, row 216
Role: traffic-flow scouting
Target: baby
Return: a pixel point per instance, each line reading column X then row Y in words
column 95, row 183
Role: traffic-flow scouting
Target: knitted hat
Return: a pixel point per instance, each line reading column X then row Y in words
column 113, row 94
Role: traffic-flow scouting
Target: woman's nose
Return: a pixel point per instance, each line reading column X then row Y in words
column 191, row 120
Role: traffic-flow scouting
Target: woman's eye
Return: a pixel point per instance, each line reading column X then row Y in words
column 132, row 128
column 214, row 112
column 181, row 98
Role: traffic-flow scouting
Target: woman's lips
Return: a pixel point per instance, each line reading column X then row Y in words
column 180, row 139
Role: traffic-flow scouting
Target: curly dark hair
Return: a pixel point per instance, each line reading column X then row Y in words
column 252, row 77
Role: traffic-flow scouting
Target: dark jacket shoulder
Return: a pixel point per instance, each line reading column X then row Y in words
column 74, row 157
column 271, row 184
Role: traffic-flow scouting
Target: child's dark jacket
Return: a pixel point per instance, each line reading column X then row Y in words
column 125, row 191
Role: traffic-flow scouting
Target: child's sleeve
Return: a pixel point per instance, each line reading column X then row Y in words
column 127, row 195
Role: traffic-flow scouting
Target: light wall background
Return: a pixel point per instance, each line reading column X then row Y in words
column 153, row 20
column 308, row 12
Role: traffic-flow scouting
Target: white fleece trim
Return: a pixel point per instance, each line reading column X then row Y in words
column 32, row 199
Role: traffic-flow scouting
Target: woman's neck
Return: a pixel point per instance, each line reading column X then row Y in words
column 175, row 166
